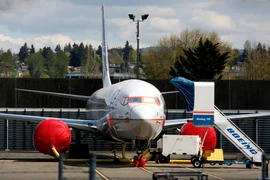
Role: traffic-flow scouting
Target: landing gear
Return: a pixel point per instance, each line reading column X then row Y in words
column 139, row 160
column 78, row 150
column 114, row 153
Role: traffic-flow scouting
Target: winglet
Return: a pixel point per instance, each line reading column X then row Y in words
column 105, row 66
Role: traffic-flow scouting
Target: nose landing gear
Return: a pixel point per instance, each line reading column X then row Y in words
column 139, row 160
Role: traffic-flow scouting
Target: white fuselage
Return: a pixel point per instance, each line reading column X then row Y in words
column 134, row 110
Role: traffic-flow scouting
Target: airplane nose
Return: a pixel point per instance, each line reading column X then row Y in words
column 143, row 112
column 144, row 122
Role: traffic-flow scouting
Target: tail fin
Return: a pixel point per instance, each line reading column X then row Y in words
column 105, row 67
column 199, row 97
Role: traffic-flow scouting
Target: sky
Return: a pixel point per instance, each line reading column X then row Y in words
column 51, row 22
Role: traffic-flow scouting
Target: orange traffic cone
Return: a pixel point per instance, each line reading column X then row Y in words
column 135, row 161
column 142, row 161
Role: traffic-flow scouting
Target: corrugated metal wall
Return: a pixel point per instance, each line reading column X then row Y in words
column 229, row 94
column 20, row 134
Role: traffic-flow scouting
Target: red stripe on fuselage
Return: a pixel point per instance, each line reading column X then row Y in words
column 137, row 119
column 203, row 112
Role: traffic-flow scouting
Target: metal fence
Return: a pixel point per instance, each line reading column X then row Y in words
column 17, row 135
column 229, row 94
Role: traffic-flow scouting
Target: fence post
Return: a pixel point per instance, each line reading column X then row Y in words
column 7, row 136
column 264, row 169
column 92, row 170
column 60, row 170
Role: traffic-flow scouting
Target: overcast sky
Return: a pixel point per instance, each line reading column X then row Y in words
column 51, row 22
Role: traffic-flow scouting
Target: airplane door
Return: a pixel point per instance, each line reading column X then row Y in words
column 115, row 100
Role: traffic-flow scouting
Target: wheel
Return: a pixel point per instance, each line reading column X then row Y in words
column 157, row 158
column 164, row 159
column 196, row 163
column 193, row 159
column 249, row 166
column 212, row 164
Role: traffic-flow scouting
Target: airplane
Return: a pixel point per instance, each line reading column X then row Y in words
column 131, row 111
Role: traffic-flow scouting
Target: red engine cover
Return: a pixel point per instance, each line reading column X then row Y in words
column 210, row 139
column 52, row 133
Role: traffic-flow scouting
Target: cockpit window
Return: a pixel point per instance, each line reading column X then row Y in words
column 152, row 100
column 135, row 99
column 149, row 99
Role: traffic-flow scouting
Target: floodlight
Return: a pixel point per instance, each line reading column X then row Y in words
column 145, row 16
column 131, row 16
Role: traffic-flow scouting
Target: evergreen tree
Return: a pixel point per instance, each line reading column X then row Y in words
column 58, row 48
column 89, row 63
column 32, row 49
column 203, row 62
column 127, row 51
column 23, row 53
column 68, row 48
column 45, row 51
column 99, row 51
column 49, row 61
column 74, row 58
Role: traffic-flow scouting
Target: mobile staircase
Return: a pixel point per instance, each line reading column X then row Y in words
column 238, row 138
column 199, row 97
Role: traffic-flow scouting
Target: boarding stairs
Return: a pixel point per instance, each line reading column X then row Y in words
column 237, row 137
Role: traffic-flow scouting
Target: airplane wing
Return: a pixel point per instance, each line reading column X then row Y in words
column 86, row 125
column 73, row 96
column 174, row 123
column 169, row 92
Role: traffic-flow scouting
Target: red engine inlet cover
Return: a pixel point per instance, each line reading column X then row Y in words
column 52, row 133
column 210, row 139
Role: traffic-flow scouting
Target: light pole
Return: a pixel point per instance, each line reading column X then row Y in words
column 132, row 17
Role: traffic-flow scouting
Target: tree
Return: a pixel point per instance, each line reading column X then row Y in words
column 57, row 48
column 203, row 62
column 74, row 58
column 157, row 62
column 32, row 49
column 68, row 48
column 127, row 51
column 99, row 51
column 257, row 64
column 158, row 59
column 35, row 64
column 50, row 63
column 115, row 56
column 61, row 65
column 23, row 53
column 7, row 65
column 89, row 64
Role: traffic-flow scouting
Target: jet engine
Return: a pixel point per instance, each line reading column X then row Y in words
column 210, row 139
column 52, row 133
